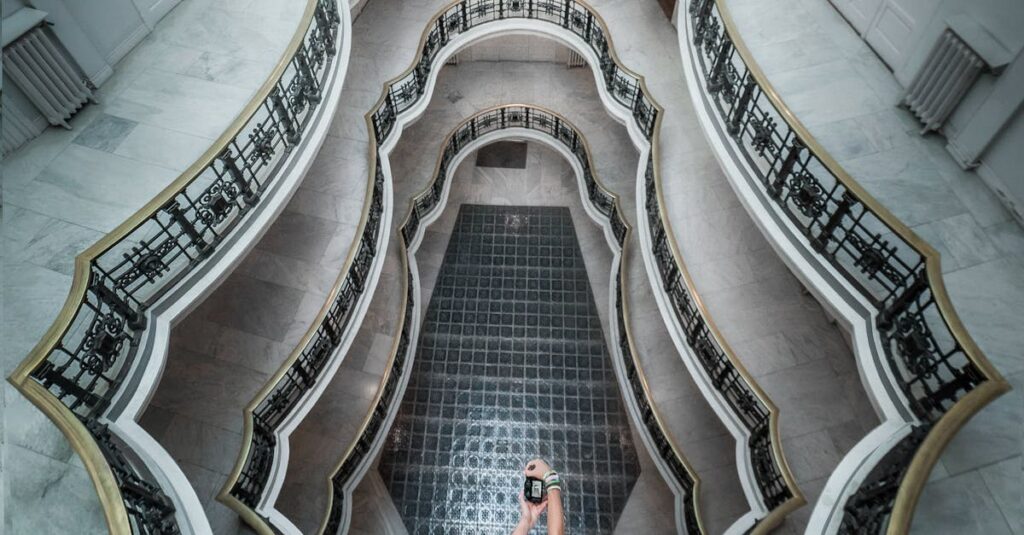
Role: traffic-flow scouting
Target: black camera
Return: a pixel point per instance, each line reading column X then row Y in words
column 534, row 491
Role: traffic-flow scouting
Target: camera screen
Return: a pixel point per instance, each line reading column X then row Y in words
column 537, row 488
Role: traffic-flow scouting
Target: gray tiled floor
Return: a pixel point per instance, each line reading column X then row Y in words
column 729, row 253
column 548, row 180
column 510, row 365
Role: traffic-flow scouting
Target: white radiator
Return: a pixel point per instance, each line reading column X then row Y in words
column 575, row 60
column 950, row 70
column 41, row 68
column 17, row 129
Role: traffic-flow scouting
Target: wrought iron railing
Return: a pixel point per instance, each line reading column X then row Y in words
column 868, row 510
column 772, row 474
column 83, row 360
column 546, row 122
column 723, row 370
column 463, row 16
column 937, row 367
column 301, row 372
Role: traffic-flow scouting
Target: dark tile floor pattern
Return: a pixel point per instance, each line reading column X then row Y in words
column 511, row 364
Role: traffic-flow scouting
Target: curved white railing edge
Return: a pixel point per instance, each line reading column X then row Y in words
column 718, row 403
column 851, row 472
column 278, row 474
column 130, row 403
column 308, row 401
column 829, row 288
column 546, row 30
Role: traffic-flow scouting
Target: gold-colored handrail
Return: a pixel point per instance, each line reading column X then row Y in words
column 404, row 253
column 994, row 385
column 74, row 430
column 776, row 515
column 250, row 516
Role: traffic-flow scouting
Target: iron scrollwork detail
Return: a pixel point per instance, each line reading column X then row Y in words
column 928, row 361
column 482, row 124
column 307, row 369
column 88, row 363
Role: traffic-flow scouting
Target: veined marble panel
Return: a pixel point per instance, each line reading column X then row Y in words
column 180, row 103
column 160, row 146
column 44, row 495
column 90, row 188
column 105, row 133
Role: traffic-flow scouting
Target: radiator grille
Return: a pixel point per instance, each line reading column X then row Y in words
column 950, row 70
column 575, row 60
column 40, row 67
column 17, row 129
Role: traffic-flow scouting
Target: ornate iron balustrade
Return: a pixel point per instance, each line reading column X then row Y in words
column 775, row 483
column 723, row 370
column 868, row 510
column 938, row 368
column 487, row 122
column 628, row 90
column 149, row 509
column 79, row 366
column 304, row 368
column 460, row 17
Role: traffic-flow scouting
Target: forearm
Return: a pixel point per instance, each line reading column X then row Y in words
column 556, row 520
column 523, row 528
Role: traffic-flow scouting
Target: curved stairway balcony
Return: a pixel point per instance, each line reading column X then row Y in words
column 397, row 97
column 542, row 126
column 95, row 368
column 926, row 373
column 401, row 95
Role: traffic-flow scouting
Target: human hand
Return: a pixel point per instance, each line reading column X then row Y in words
column 530, row 512
column 537, row 468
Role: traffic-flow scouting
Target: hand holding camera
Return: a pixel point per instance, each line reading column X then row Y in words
column 543, row 487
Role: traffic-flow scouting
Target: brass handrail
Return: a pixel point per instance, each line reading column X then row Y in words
column 426, row 200
column 82, row 440
column 363, row 234
column 991, row 384
column 778, row 514
column 628, row 88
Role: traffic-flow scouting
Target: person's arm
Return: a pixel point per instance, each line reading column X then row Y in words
column 556, row 519
column 539, row 469
column 529, row 513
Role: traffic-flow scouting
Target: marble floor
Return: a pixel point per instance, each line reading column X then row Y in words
column 165, row 103
column 781, row 334
column 325, row 434
column 815, row 434
column 978, row 483
column 460, row 92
